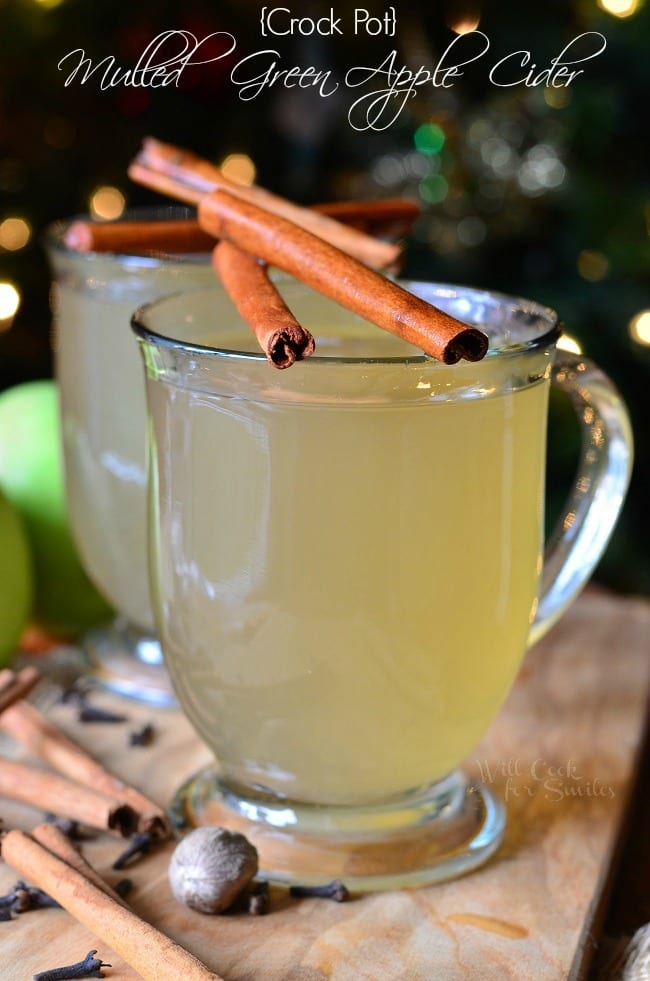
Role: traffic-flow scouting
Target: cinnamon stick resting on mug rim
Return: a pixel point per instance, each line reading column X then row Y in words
column 281, row 337
column 182, row 174
column 342, row 278
column 185, row 235
column 178, row 236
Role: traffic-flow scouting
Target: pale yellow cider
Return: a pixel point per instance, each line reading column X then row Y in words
column 344, row 593
column 99, row 370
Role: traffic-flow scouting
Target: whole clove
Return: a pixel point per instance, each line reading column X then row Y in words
column 258, row 901
column 92, row 713
column 37, row 899
column 123, row 887
column 22, row 898
column 333, row 890
column 79, row 694
column 89, row 967
column 71, row 829
column 143, row 736
column 139, row 845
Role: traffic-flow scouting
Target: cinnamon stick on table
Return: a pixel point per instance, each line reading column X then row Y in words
column 179, row 236
column 155, row 956
column 14, row 686
column 184, row 175
column 33, row 730
column 52, row 838
column 347, row 281
column 52, row 792
column 278, row 332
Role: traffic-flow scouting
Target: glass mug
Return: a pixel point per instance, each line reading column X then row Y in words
column 104, row 439
column 346, row 563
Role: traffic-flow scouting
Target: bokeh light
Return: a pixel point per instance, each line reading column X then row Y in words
column 9, row 303
column 434, row 189
column 593, row 265
column 471, row 231
column 239, row 167
column 541, row 170
column 463, row 23
column 639, row 328
column 388, row 170
column 429, row 138
column 417, row 165
column 619, row 8
column 15, row 233
column 107, row 203
column 499, row 156
column 557, row 98
column 568, row 343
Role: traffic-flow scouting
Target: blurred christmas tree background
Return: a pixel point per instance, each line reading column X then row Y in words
column 541, row 192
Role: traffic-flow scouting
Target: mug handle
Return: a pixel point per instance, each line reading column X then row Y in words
column 596, row 498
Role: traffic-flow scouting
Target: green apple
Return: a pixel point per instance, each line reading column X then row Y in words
column 31, row 476
column 15, row 580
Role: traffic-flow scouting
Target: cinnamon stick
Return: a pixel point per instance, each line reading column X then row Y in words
column 279, row 334
column 33, row 730
column 386, row 215
column 339, row 276
column 52, row 838
column 183, row 174
column 14, row 686
column 51, row 792
column 155, row 956
column 381, row 216
column 138, row 236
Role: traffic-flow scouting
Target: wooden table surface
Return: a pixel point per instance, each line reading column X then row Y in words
column 562, row 754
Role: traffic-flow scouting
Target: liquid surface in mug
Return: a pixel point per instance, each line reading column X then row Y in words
column 344, row 593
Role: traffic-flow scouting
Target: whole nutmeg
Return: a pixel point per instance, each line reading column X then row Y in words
column 210, row 867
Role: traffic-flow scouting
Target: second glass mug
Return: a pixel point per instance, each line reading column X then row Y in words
column 347, row 568
column 104, row 434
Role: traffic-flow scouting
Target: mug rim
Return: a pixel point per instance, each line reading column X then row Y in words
column 546, row 339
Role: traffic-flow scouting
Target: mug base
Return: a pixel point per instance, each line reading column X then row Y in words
column 428, row 836
column 126, row 660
